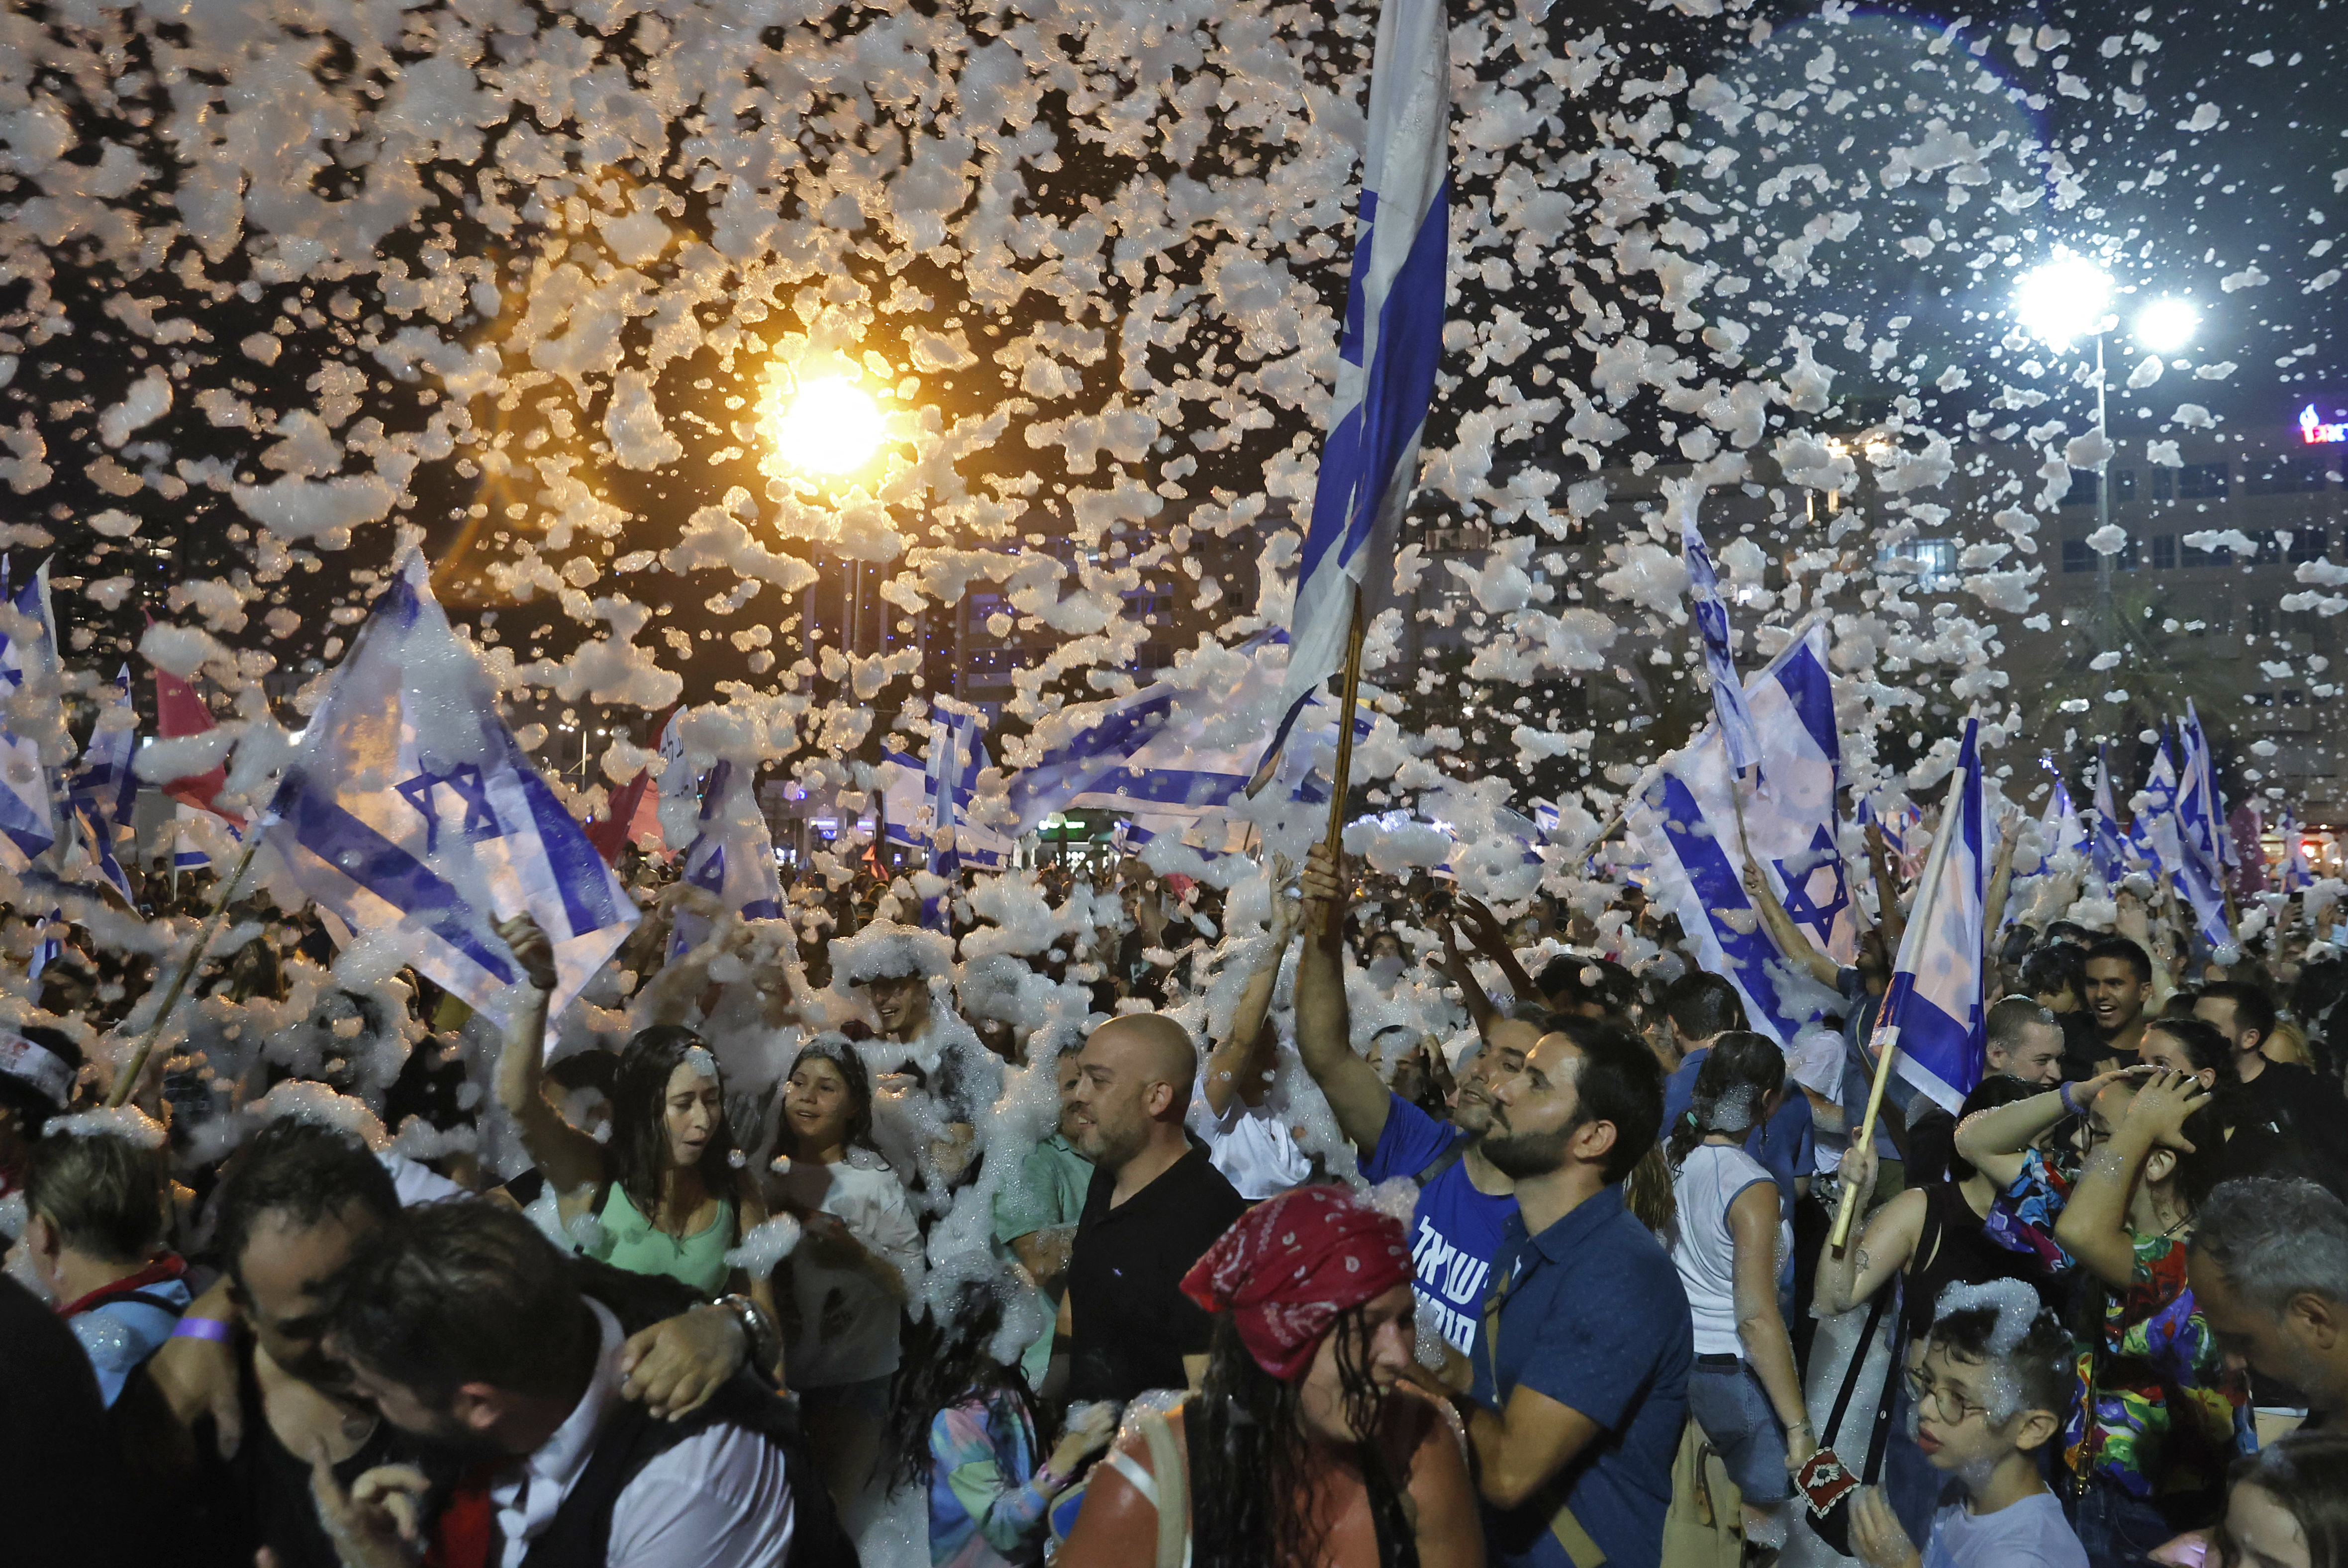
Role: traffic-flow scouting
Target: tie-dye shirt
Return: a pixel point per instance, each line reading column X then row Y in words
column 984, row 1510
column 2163, row 1416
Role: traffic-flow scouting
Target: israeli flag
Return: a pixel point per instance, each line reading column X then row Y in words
column 105, row 789
column 2152, row 828
column 409, row 811
column 732, row 854
column 28, row 647
column 1168, row 750
column 928, row 803
column 49, row 949
column 2106, row 847
column 1934, row 1008
column 1711, row 612
column 1684, row 820
column 2298, row 876
column 1386, row 355
column 2200, row 872
column 202, row 838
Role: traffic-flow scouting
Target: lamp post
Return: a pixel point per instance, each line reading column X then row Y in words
column 2057, row 303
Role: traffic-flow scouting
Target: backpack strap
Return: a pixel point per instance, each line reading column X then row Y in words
column 1442, row 1162
column 1581, row 1549
column 1173, row 1498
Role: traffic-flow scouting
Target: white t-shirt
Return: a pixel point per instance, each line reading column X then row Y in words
column 1703, row 1249
column 2032, row 1533
column 1250, row 1144
column 848, row 1323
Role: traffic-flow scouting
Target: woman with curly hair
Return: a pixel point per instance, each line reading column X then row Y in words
column 1304, row 1449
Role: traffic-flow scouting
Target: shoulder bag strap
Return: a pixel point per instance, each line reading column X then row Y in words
column 1579, row 1549
column 1858, row 1363
column 1441, row 1162
column 1173, row 1491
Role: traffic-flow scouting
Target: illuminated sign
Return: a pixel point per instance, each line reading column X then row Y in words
column 2316, row 433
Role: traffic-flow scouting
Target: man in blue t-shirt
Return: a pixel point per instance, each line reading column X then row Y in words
column 1464, row 1203
column 1581, row 1391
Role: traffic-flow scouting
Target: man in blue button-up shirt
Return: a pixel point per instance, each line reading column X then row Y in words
column 1581, row 1379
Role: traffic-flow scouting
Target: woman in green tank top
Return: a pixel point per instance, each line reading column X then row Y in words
column 665, row 1192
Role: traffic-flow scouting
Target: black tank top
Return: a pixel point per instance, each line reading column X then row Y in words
column 1952, row 1248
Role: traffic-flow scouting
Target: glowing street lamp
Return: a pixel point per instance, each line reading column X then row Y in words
column 2064, row 301
column 830, row 426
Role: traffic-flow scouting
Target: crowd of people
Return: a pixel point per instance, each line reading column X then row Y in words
column 1320, row 1217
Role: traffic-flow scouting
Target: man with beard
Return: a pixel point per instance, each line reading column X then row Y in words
column 464, row 1327
column 1581, row 1383
column 1464, row 1199
column 1154, row 1206
column 294, row 1207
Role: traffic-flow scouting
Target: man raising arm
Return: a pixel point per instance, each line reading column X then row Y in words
column 1464, row 1200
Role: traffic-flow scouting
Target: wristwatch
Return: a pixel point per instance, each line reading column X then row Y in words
column 765, row 1341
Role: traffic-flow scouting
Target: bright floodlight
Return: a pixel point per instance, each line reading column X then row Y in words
column 2064, row 300
column 829, row 427
column 2166, row 325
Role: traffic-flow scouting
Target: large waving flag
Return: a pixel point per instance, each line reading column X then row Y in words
column 409, row 808
column 1685, row 822
column 2201, row 871
column 1933, row 1012
column 1711, row 612
column 1386, row 355
column 1165, row 753
column 104, row 789
column 28, row 825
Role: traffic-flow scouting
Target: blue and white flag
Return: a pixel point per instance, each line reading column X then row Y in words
column 1711, row 614
column 732, row 854
column 1932, row 1011
column 1386, row 355
column 2298, row 876
column 2152, row 822
column 2200, row 818
column 928, row 803
column 105, row 788
column 2106, row 846
column 1684, row 820
column 410, row 812
column 49, row 949
column 28, row 650
column 1169, row 750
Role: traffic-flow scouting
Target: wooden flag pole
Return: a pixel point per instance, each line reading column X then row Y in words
column 1884, row 1041
column 1342, row 774
column 1342, row 780
column 129, row 1074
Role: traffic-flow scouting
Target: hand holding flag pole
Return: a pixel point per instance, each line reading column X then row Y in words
column 1883, row 1043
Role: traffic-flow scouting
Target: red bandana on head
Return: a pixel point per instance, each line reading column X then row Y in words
column 1290, row 1266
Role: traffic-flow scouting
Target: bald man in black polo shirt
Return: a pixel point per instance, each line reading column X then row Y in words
column 1154, row 1205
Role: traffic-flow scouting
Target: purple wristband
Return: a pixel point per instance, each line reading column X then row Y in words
column 2063, row 1092
column 201, row 1328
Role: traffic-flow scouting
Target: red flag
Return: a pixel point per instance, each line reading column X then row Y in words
column 620, row 824
column 610, row 834
column 179, row 712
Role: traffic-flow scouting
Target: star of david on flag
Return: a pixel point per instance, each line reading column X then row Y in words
column 410, row 812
